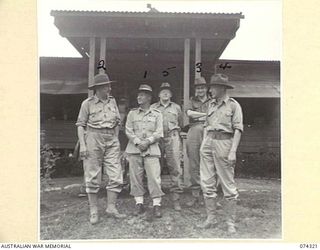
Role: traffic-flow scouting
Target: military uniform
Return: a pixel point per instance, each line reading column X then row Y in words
column 222, row 119
column 100, row 118
column 170, row 143
column 224, row 116
column 144, row 125
column 194, row 138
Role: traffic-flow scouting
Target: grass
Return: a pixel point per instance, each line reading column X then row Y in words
column 64, row 216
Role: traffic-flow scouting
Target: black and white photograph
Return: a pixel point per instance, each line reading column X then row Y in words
column 159, row 120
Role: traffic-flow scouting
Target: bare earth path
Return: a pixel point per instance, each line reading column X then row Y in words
column 65, row 216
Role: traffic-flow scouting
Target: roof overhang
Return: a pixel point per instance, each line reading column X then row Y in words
column 138, row 32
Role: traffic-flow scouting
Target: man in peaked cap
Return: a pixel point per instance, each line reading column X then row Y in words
column 97, row 123
column 223, row 128
column 144, row 130
column 170, row 144
column 196, row 111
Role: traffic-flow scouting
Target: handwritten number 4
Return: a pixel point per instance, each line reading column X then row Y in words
column 225, row 66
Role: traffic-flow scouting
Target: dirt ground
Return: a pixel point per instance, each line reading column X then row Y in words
column 65, row 216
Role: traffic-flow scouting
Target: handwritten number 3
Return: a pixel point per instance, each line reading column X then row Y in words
column 198, row 67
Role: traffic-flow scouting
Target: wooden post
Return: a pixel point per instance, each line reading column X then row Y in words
column 186, row 95
column 92, row 62
column 197, row 72
column 186, row 77
column 103, row 54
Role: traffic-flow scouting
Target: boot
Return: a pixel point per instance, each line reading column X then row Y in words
column 211, row 213
column 111, row 205
column 93, row 204
column 139, row 209
column 157, row 211
column 194, row 199
column 176, row 203
column 230, row 208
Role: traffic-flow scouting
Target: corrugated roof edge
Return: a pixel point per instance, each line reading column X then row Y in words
column 249, row 61
column 94, row 12
column 219, row 60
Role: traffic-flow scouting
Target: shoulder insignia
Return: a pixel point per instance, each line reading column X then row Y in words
column 176, row 104
column 90, row 98
column 156, row 110
column 235, row 104
column 231, row 99
column 154, row 105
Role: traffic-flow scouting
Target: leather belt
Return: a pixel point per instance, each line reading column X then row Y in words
column 109, row 131
column 218, row 135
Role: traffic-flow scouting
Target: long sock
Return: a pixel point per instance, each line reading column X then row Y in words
column 139, row 199
column 157, row 201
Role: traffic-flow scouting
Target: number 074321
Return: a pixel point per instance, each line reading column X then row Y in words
column 309, row 246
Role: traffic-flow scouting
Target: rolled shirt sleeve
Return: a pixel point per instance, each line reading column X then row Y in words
column 83, row 116
column 118, row 117
column 237, row 118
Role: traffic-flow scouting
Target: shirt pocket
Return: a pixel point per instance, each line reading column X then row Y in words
column 112, row 109
column 226, row 117
column 172, row 116
column 136, row 125
column 96, row 114
column 151, row 123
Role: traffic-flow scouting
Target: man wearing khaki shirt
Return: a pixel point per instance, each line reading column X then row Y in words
column 97, row 124
column 223, row 128
column 171, row 142
column 196, row 112
column 144, row 130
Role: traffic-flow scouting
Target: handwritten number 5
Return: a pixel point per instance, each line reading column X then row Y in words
column 101, row 65
column 165, row 73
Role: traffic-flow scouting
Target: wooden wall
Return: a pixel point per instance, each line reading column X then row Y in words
column 261, row 139
column 59, row 134
column 63, row 135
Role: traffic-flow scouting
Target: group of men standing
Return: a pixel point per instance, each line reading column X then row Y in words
column 154, row 130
